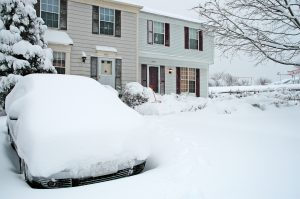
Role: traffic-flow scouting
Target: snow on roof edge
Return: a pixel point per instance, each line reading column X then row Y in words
column 58, row 37
column 127, row 2
column 106, row 49
column 166, row 14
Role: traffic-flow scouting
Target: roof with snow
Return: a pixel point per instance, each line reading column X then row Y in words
column 127, row 2
column 166, row 14
column 58, row 37
column 158, row 12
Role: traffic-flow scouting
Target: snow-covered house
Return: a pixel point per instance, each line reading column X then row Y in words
column 93, row 38
column 174, row 53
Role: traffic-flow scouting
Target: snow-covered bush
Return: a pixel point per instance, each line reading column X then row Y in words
column 22, row 47
column 135, row 94
column 6, row 85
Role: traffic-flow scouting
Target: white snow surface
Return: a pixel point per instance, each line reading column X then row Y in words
column 252, row 88
column 106, row 49
column 73, row 123
column 171, row 15
column 58, row 37
column 206, row 154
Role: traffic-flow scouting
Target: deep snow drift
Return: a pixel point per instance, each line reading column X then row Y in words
column 63, row 126
column 208, row 154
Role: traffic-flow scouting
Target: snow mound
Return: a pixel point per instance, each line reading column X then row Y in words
column 170, row 104
column 135, row 94
column 222, row 103
column 73, row 123
column 136, row 88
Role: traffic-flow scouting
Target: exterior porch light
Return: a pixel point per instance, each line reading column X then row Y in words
column 170, row 70
column 83, row 57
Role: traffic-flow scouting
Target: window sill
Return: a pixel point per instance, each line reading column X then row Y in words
column 104, row 35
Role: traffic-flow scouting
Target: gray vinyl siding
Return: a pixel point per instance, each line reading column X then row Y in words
column 176, row 52
column 175, row 55
column 80, row 30
column 171, row 81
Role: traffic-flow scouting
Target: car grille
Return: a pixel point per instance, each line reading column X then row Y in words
column 43, row 183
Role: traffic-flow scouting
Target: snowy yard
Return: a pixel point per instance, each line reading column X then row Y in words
column 230, row 149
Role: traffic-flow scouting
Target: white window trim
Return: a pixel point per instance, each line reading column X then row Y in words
column 64, row 59
column 159, row 33
column 114, row 22
column 58, row 23
column 148, row 76
column 188, row 81
column 197, row 38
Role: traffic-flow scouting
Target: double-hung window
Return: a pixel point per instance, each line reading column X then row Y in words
column 107, row 21
column 194, row 38
column 50, row 12
column 159, row 33
column 187, row 80
column 59, row 62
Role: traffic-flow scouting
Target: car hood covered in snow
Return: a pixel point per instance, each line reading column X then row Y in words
column 72, row 123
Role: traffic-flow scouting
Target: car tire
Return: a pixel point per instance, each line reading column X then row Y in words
column 21, row 165
column 26, row 173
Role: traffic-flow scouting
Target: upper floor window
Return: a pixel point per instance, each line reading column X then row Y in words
column 59, row 62
column 106, row 21
column 50, row 12
column 159, row 33
column 193, row 38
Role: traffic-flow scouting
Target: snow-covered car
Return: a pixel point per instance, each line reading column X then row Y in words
column 71, row 131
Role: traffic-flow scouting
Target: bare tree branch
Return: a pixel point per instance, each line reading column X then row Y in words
column 263, row 29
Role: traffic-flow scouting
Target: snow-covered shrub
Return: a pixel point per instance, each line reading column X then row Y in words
column 6, row 85
column 135, row 94
column 172, row 103
column 22, row 47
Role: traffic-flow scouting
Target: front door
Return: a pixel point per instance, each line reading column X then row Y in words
column 153, row 78
column 107, row 72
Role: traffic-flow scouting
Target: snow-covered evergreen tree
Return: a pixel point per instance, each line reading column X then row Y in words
column 22, row 47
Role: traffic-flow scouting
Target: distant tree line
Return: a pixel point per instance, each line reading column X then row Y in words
column 226, row 79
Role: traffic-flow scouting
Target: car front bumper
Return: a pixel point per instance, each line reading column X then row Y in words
column 44, row 183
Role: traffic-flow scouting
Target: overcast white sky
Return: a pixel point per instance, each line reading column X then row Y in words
column 240, row 66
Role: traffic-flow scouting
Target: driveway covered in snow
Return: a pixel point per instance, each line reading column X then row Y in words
column 247, row 154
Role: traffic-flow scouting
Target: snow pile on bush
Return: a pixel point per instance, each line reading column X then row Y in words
column 63, row 125
column 22, row 47
column 6, row 85
column 170, row 104
column 135, row 94
column 221, row 103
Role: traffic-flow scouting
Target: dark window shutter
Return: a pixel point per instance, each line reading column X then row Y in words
column 167, row 34
column 37, row 7
column 94, row 68
column 63, row 14
column 119, row 75
column 186, row 38
column 198, row 82
column 177, row 80
column 200, row 40
column 162, row 80
column 117, row 23
column 95, row 20
column 144, row 75
column 150, row 31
